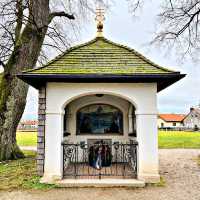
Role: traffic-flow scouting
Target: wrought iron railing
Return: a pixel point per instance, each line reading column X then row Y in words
column 100, row 160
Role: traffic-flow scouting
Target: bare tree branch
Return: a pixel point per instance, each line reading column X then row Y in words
column 179, row 26
column 19, row 20
column 135, row 5
column 2, row 63
column 60, row 14
column 171, row 3
column 16, row 14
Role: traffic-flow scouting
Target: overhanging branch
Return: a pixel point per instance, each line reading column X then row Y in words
column 2, row 63
column 61, row 14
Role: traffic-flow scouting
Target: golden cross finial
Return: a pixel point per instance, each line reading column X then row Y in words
column 100, row 19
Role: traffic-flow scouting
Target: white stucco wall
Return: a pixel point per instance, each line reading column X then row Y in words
column 141, row 95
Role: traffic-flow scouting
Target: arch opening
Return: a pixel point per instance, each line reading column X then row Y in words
column 131, row 101
column 99, row 114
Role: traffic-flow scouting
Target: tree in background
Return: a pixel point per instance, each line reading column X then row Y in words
column 178, row 25
column 27, row 27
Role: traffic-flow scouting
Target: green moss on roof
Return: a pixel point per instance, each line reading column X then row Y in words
column 100, row 56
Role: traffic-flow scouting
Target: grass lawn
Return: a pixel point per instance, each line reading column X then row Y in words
column 179, row 139
column 21, row 174
column 26, row 138
column 167, row 139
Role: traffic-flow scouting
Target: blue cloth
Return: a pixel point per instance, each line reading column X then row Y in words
column 98, row 162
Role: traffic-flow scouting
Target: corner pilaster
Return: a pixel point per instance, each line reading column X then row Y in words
column 41, row 130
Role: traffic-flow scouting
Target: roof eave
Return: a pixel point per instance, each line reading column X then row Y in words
column 173, row 121
column 162, row 80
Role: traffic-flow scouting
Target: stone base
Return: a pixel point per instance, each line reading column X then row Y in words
column 50, row 179
column 149, row 178
column 99, row 183
column 103, row 183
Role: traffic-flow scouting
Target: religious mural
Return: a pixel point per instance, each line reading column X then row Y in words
column 99, row 119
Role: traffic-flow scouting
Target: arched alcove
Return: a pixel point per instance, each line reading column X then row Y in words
column 104, row 114
column 132, row 100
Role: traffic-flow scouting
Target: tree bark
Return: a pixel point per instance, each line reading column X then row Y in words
column 13, row 92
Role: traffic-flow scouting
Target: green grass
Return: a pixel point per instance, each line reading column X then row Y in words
column 167, row 139
column 27, row 138
column 179, row 139
column 21, row 174
column 162, row 183
column 198, row 160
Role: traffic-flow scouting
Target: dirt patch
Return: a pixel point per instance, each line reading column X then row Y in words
column 179, row 168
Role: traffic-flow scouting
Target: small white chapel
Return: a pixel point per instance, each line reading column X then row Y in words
column 98, row 114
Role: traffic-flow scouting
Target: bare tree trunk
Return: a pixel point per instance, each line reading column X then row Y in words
column 13, row 92
column 14, row 109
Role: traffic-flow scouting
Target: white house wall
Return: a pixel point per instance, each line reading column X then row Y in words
column 168, row 124
column 142, row 95
column 192, row 120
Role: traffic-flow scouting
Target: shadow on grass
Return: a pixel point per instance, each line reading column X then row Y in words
column 21, row 174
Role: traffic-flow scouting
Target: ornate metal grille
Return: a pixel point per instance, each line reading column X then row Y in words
column 100, row 160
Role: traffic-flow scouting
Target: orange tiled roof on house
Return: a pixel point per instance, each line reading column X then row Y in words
column 29, row 122
column 172, row 117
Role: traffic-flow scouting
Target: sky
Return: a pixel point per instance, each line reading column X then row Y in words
column 136, row 32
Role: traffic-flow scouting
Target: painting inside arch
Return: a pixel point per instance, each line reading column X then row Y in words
column 99, row 119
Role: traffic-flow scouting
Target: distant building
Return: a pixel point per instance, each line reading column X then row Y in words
column 192, row 119
column 170, row 121
column 28, row 125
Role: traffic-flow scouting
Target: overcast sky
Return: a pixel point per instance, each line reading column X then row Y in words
column 122, row 28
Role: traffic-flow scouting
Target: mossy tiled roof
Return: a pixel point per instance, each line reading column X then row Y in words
column 100, row 56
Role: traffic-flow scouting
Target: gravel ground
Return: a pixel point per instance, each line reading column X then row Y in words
column 178, row 167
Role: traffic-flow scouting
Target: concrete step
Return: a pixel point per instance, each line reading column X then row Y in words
column 101, row 183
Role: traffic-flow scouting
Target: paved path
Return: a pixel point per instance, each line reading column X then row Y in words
column 178, row 167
